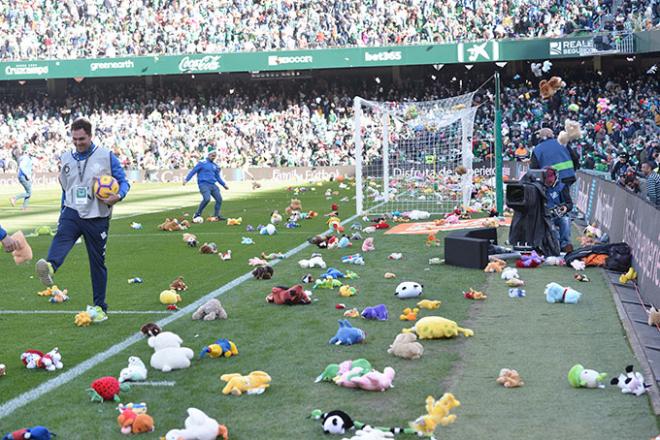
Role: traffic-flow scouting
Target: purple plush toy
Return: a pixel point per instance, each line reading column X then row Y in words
column 378, row 312
column 531, row 260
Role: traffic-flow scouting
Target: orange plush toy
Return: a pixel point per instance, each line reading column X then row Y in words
column 289, row 296
column 548, row 88
column 132, row 423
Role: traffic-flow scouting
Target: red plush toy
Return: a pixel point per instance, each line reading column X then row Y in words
column 334, row 207
column 106, row 388
column 289, row 296
column 381, row 225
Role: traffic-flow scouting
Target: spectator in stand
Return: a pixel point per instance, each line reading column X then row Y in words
column 620, row 167
column 652, row 184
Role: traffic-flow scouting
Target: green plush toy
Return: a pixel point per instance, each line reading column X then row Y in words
column 357, row 368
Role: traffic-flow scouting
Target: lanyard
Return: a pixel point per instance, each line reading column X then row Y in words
column 81, row 173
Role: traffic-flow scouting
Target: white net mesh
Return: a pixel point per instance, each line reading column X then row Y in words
column 413, row 155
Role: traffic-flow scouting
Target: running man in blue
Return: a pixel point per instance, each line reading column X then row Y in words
column 25, row 179
column 82, row 213
column 208, row 174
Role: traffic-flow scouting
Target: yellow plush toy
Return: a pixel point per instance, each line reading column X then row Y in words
column 437, row 327
column 389, row 275
column 347, row 291
column 234, row 221
column 437, row 413
column 409, row 314
column 168, row 297
column 83, row 319
column 429, row 304
column 254, row 383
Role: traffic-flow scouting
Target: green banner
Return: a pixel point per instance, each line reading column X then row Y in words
column 476, row 52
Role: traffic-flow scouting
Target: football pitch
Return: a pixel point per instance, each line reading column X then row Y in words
column 290, row 343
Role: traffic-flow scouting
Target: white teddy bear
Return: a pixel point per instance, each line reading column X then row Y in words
column 509, row 273
column 135, row 371
column 315, row 261
column 199, row 426
column 169, row 355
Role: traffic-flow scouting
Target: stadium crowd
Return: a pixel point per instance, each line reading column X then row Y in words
column 43, row 29
column 309, row 123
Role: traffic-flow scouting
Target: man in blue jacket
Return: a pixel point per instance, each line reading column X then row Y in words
column 208, row 174
column 83, row 213
column 8, row 243
column 550, row 153
column 559, row 203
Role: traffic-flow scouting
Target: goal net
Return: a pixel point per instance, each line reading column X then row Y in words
column 413, row 155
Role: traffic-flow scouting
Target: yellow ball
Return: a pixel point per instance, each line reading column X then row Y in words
column 105, row 186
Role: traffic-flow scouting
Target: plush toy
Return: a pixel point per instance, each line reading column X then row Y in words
column 256, row 261
column 198, row 426
column 332, row 242
column 275, row 217
column 220, row 348
column 389, row 275
column 356, row 236
column 347, row 335
column 548, row 88
column 348, row 369
column 327, row 283
column 515, row 282
column 352, row 313
column 474, row 294
column 168, row 353
column 234, row 221
column 653, row 316
column 273, row 256
column 171, row 225
column 106, row 388
column 516, row 293
column 210, row 310
column 405, row 346
column 429, row 304
column 437, row 413
column 554, row 293
column 168, row 297
column 308, row 278
column 509, row 273
column 435, row 327
column 334, row 223
column 23, row 251
column 371, row 381
column 315, row 261
column 603, row 105
column 132, row 423
column 289, row 295
column 578, row 264
column 34, row 433
column 150, row 329
column 294, row 205
column 346, row 291
column 136, row 226
column 379, row 312
column 408, row 289
column 356, row 227
column 335, row 422
column 269, row 229
column 495, row 265
column 246, row 240
column 254, row 383
column 58, row 296
column 178, row 284
column 368, row 245
column 225, row 256
column 208, row 248
column 50, row 361
column 435, row 260
column 135, row 371
column 631, row 275
column 509, row 378
column 409, row 314
column 529, row 260
column 353, row 259
column 344, row 242
column 555, row 261
column 332, row 273
column 631, row 382
column 3, row 370
column 321, row 241
column 263, row 272
column 580, row 377
column 190, row 239
column 416, row 214
column 581, row 277
column 570, row 132
column 369, row 230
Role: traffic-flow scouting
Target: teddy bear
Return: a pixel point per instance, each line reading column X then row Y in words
column 509, row 378
column 289, row 296
column 368, row 245
column 320, row 241
column 178, row 284
column 570, row 132
column 315, row 261
column 170, row 225
column 405, row 346
column 198, row 426
column 209, row 248
column 495, row 265
column 132, row 423
column 190, row 239
column 210, row 310
column 135, row 371
column 294, row 205
column 150, row 329
column 254, row 383
column 168, row 353
column 263, row 272
column 548, row 88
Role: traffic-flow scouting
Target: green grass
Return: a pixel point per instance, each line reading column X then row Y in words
column 542, row 341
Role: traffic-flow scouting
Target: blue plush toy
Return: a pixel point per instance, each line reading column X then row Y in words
column 247, row 240
column 353, row 259
column 347, row 334
column 332, row 273
column 344, row 242
column 35, row 433
column 378, row 312
column 554, row 293
column 221, row 347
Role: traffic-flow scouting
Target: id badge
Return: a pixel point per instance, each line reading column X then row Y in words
column 81, row 195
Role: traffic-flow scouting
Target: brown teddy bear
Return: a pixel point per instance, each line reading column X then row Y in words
column 150, row 329
column 170, row 225
column 178, row 284
column 263, row 272
column 548, row 88
column 510, row 378
column 319, row 240
column 405, row 345
column 295, row 205
column 211, row 310
column 209, row 248
column 290, row 296
column 495, row 265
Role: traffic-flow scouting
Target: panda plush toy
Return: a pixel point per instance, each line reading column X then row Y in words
column 408, row 289
column 336, row 422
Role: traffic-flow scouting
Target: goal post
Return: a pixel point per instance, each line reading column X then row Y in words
column 413, row 155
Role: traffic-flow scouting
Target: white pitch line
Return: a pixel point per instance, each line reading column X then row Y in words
column 20, row 401
column 162, row 383
column 73, row 312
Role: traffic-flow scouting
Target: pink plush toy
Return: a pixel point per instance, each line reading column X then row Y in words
column 372, row 381
column 452, row 219
column 256, row 261
column 368, row 245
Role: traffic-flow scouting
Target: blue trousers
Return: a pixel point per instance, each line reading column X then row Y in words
column 95, row 230
column 207, row 190
column 562, row 230
column 27, row 185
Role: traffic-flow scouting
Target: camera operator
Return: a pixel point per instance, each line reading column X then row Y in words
column 559, row 204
